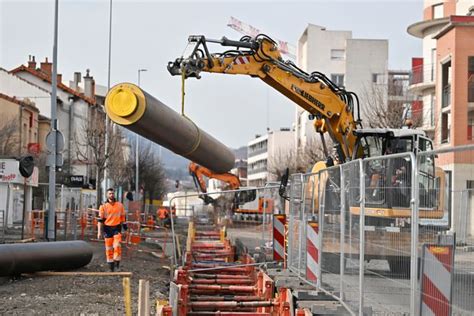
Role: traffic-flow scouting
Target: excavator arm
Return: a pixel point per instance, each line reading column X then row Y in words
column 199, row 172
column 331, row 106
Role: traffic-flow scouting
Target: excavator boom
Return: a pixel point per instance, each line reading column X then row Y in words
column 331, row 106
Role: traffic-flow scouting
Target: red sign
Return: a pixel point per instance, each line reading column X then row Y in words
column 34, row 148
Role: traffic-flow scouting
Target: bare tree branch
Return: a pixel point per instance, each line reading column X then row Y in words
column 9, row 137
column 90, row 145
column 383, row 111
column 151, row 172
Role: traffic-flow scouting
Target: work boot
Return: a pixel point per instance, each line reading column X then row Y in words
column 117, row 266
column 111, row 266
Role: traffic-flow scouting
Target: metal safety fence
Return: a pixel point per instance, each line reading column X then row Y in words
column 390, row 234
column 246, row 214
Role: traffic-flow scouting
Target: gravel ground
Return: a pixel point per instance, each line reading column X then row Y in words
column 77, row 295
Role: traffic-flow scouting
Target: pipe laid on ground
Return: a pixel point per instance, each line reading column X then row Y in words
column 42, row 256
column 130, row 106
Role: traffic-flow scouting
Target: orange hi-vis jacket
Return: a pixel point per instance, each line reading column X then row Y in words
column 162, row 213
column 112, row 214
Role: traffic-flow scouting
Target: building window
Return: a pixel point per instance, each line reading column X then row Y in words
column 377, row 78
column 338, row 79
column 470, row 184
column 433, row 63
column 337, row 54
column 470, row 127
column 25, row 135
column 438, row 11
column 470, row 79
column 446, row 84
column 445, row 127
column 432, row 109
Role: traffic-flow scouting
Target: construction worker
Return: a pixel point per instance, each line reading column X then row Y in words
column 110, row 224
column 162, row 214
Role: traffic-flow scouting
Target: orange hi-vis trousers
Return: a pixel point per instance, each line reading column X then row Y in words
column 113, row 247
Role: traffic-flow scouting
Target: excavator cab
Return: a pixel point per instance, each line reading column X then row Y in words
column 388, row 181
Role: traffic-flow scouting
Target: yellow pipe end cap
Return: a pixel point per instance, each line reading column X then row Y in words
column 123, row 102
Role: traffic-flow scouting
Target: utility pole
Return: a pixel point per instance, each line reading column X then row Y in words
column 54, row 127
column 137, row 147
column 106, row 142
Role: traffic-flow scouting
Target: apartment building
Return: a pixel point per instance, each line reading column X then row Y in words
column 436, row 16
column 356, row 64
column 268, row 152
column 444, row 78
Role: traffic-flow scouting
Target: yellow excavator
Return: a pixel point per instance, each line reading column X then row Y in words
column 332, row 109
column 388, row 200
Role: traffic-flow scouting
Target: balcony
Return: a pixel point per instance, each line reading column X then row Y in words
column 446, row 100
column 419, row 29
column 257, row 170
column 422, row 77
column 257, row 151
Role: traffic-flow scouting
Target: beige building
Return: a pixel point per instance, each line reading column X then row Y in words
column 19, row 127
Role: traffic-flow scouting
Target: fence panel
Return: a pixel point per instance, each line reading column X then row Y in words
column 349, row 201
column 387, row 233
column 295, row 224
column 446, row 203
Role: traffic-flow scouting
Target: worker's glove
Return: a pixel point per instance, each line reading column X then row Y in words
column 124, row 226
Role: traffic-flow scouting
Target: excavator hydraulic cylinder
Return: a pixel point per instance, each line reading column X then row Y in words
column 130, row 106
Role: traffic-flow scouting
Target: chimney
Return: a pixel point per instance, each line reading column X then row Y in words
column 74, row 84
column 89, row 85
column 59, row 78
column 46, row 67
column 31, row 62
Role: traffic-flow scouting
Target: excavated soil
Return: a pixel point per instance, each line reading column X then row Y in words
column 85, row 295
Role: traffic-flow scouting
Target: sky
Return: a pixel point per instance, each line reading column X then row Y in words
column 148, row 34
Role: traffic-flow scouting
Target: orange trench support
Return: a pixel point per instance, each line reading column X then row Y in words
column 212, row 283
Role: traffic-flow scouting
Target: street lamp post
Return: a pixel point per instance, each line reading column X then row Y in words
column 137, row 146
column 51, row 222
column 106, row 140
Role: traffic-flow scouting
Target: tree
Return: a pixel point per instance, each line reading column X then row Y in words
column 387, row 106
column 297, row 162
column 283, row 159
column 314, row 152
column 90, row 145
column 9, row 137
column 118, row 160
column 150, row 172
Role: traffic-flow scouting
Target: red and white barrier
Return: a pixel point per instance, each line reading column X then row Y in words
column 312, row 252
column 279, row 221
column 436, row 280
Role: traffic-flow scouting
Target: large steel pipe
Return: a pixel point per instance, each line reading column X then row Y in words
column 132, row 107
column 43, row 256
